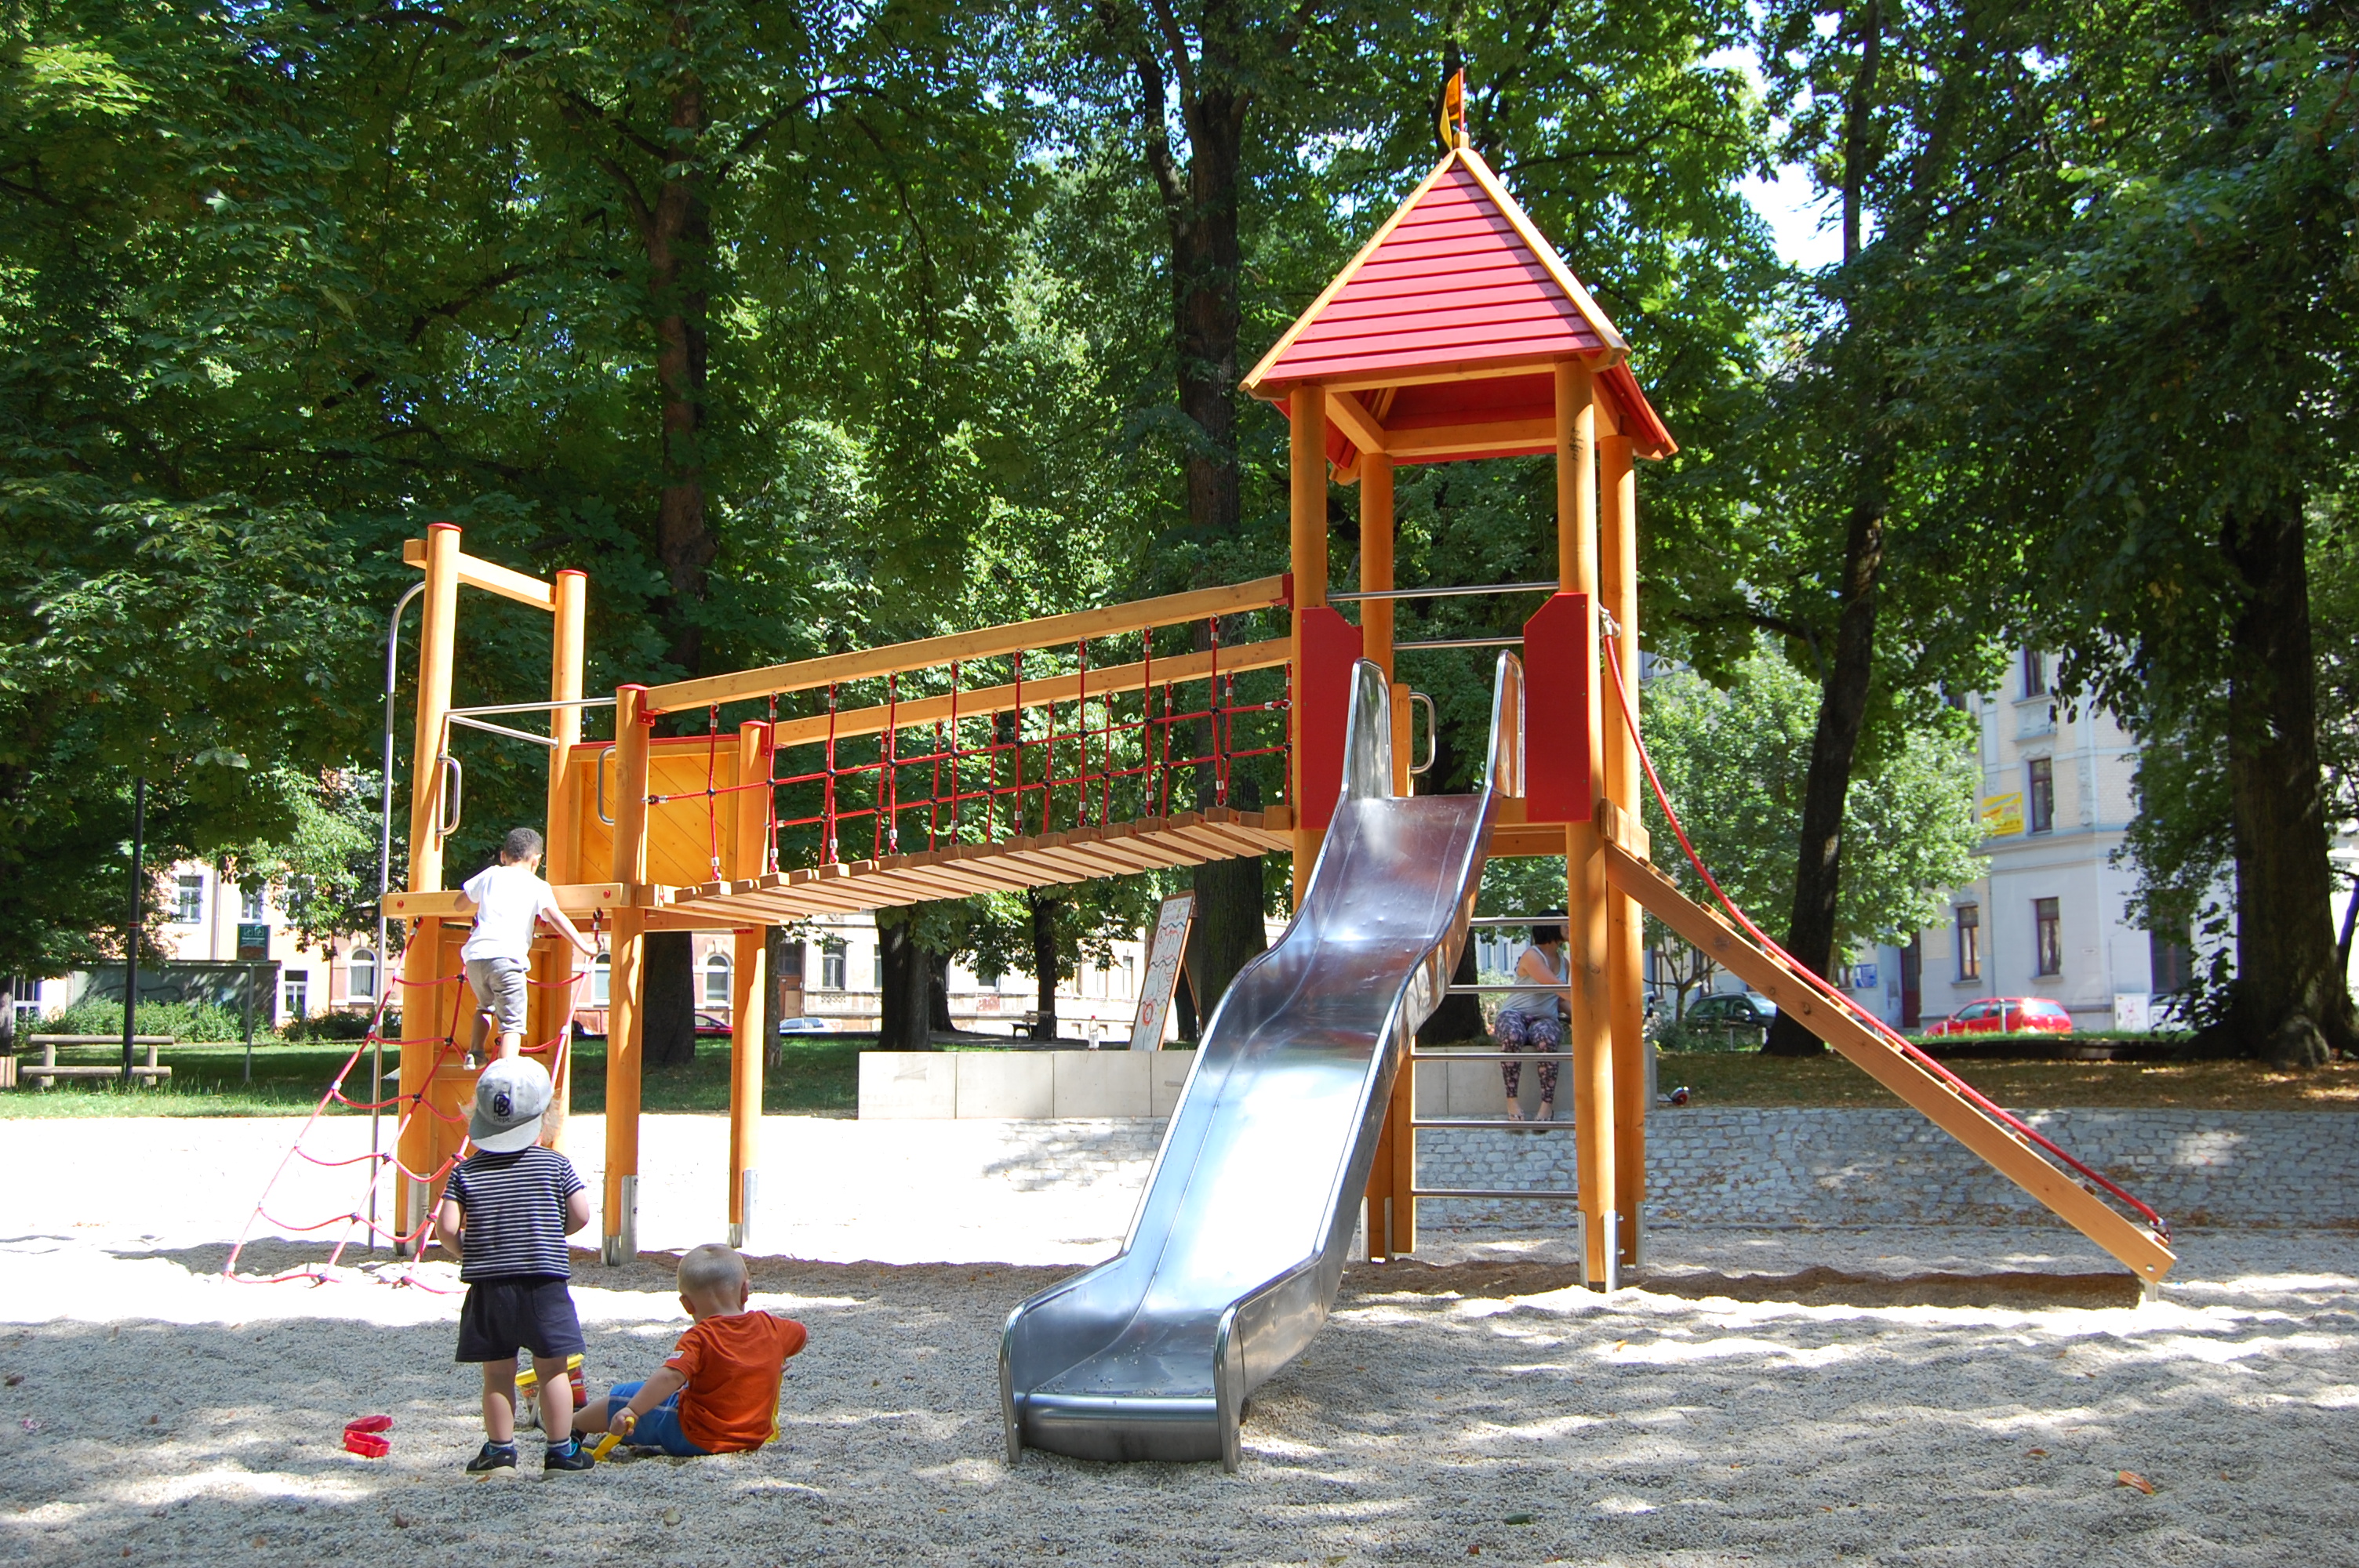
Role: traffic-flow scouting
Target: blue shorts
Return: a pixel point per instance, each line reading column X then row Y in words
column 659, row 1428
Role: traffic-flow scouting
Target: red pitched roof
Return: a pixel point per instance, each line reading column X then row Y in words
column 1457, row 280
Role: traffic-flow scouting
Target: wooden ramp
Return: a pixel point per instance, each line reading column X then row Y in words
column 1630, row 872
column 1048, row 859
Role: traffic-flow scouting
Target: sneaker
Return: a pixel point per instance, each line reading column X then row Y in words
column 493, row 1456
column 567, row 1456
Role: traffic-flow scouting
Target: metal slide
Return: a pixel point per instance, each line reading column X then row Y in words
column 1235, row 1255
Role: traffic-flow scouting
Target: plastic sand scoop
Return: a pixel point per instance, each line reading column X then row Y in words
column 365, row 1437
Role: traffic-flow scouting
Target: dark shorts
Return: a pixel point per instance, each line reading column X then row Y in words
column 534, row 1313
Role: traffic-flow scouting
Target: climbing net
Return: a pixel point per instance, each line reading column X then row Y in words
column 1107, row 729
column 359, row 1222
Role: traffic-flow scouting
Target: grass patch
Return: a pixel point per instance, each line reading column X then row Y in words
column 816, row 1075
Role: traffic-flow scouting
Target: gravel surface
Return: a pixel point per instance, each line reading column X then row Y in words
column 1951, row 1396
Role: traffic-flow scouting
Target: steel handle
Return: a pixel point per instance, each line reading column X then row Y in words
column 1432, row 733
column 601, row 772
column 454, row 796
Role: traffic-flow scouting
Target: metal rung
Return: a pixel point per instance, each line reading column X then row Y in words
column 1508, row 991
column 1495, row 1121
column 1458, row 642
column 462, row 719
column 1490, row 1056
column 1518, row 920
column 1540, row 1195
column 1368, row 593
column 533, row 707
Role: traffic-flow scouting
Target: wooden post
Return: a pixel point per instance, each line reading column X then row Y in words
column 749, row 855
column 421, row 999
column 556, row 962
column 1626, row 993
column 1307, row 469
column 1389, row 1220
column 626, row 1015
column 1586, row 929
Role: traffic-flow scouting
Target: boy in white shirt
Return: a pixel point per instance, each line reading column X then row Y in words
column 510, row 901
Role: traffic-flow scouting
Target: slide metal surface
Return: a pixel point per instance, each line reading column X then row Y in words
column 1235, row 1255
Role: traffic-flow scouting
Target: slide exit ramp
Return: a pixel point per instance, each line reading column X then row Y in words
column 1239, row 1242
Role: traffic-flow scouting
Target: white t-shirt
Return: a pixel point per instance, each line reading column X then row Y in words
column 509, row 901
column 1540, row 1004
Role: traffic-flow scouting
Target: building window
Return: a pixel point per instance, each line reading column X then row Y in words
column 294, row 996
column 602, row 979
column 831, row 965
column 790, row 966
column 360, row 979
column 249, row 906
column 2040, row 797
column 2035, row 672
column 1969, row 941
column 876, row 967
column 188, row 901
column 2048, row 934
column 716, row 980
column 2171, row 964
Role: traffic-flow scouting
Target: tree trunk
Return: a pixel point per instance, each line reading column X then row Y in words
column 1044, row 966
column 1843, row 709
column 669, row 1031
column 908, row 979
column 8, row 1015
column 679, row 242
column 1183, row 996
column 938, row 992
column 1228, row 931
column 2286, row 947
column 777, row 953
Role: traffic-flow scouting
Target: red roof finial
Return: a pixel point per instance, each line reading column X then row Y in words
column 1453, row 111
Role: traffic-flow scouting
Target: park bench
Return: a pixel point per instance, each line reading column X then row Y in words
column 47, row 1071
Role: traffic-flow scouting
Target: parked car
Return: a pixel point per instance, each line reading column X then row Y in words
column 2006, row 1015
column 1736, row 1010
column 804, row 1026
column 712, row 1023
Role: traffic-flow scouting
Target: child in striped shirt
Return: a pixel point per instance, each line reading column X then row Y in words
column 508, row 1209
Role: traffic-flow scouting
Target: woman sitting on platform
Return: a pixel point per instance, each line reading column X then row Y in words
column 1533, row 1019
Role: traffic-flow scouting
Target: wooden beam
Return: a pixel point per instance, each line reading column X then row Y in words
column 2138, row 1249
column 573, row 897
column 489, row 576
column 1439, row 441
column 984, row 702
column 1494, row 370
column 1347, row 415
column 991, row 641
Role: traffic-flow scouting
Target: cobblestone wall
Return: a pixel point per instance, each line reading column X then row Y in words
column 1775, row 1166
column 1788, row 1166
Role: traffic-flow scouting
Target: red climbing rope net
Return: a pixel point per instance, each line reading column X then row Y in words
column 1874, row 1026
column 986, row 751
column 358, row 1222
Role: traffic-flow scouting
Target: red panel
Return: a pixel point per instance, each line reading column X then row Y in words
column 1560, row 684
column 1323, row 699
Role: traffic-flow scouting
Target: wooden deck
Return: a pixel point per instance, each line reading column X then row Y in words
column 1050, row 859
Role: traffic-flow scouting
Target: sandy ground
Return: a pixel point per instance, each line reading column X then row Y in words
column 1953, row 1396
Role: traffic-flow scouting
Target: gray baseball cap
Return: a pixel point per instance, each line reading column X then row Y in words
column 510, row 1098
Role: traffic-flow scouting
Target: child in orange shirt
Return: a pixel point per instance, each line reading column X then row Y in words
column 718, row 1392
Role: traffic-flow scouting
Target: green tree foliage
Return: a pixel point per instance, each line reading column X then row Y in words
column 2158, row 363
column 1736, row 764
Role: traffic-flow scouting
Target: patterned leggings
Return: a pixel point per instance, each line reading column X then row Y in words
column 1530, row 1032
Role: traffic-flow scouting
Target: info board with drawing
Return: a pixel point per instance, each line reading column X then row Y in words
column 1164, row 951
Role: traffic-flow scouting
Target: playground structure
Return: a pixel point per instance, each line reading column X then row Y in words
column 1114, row 740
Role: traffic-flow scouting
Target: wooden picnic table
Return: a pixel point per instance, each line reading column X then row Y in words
column 47, row 1071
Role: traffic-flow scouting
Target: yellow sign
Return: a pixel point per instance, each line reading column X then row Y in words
column 2002, row 815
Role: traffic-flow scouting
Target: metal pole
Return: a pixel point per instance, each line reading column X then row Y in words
column 131, row 935
column 249, row 1023
column 384, row 976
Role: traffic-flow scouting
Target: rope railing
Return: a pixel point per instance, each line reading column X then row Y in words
column 1817, row 984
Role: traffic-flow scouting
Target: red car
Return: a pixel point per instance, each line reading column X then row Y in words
column 2006, row 1015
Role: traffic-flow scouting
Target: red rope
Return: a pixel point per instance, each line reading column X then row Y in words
column 1875, row 1025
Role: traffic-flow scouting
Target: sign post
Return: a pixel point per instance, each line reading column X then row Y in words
column 1165, row 947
